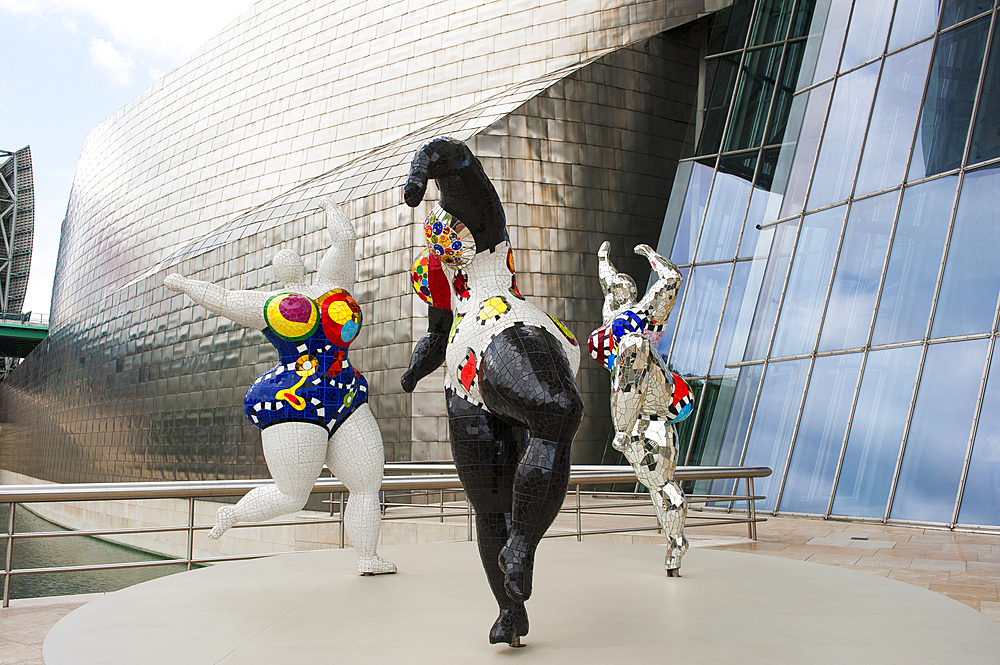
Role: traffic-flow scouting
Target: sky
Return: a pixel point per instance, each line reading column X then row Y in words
column 69, row 65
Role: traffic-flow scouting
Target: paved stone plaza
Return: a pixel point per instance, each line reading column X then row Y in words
column 962, row 566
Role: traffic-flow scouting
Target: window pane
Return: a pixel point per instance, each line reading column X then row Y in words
column 821, row 434
column 803, row 19
column 699, row 320
column 876, row 432
column 770, row 292
column 663, row 346
column 720, row 79
column 808, row 282
column 727, row 208
column 981, row 498
column 672, row 218
column 753, row 98
column 866, row 36
column 784, row 96
column 914, row 261
column 859, row 270
column 823, row 53
column 956, row 11
column 747, row 306
column 736, row 425
column 939, row 433
column 800, row 159
column 714, row 412
column 845, row 130
column 724, row 351
column 689, row 224
column 774, row 424
column 951, row 91
column 686, row 426
column 914, row 19
column 986, row 135
column 772, row 21
column 891, row 133
column 971, row 279
column 762, row 202
column 729, row 27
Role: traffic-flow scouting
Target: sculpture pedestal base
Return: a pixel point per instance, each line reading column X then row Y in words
column 592, row 603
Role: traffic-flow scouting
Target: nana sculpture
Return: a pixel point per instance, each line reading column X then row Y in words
column 313, row 406
column 646, row 397
column 513, row 404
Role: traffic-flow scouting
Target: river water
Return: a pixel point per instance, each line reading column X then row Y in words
column 71, row 551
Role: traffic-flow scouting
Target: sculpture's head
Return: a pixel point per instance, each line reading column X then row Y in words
column 466, row 191
column 288, row 267
column 622, row 291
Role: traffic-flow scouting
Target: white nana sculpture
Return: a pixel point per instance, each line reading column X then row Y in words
column 646, row 397
column 313, row 406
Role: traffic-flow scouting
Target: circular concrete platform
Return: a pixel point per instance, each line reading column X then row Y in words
column 593, row 603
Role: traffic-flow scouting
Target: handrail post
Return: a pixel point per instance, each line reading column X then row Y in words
column 341, row 520
column 442, row 505
column 579, row 523
column 751, row 509
column 468, row 506
column 190, row 533
column 7, row 556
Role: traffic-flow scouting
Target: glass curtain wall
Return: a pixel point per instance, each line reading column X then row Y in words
column 837, row 227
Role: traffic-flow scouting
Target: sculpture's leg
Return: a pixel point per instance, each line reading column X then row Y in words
column 525, row 377
column 294, row 453
column 651, row 452
column 486, row 450
column 356, row 457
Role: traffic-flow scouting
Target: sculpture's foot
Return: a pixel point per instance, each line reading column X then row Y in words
column 510, row 626
column 516, row 562
column 676, row 547
column 225, row 518
column 375, row 565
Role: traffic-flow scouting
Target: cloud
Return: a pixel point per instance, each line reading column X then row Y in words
column 156, row 32
column 117, row 64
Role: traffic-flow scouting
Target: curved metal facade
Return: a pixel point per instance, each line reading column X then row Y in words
column 578, row 110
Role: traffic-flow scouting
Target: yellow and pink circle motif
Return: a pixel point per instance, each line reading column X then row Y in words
column 292, row 316
column 341, row 317
column 449, row 238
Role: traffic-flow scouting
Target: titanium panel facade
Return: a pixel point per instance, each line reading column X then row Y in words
column 579, row 112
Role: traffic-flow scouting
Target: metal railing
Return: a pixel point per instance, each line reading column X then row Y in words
column 25, row 318
column 419, row 478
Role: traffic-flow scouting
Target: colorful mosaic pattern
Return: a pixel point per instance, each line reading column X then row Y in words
column 450, row 240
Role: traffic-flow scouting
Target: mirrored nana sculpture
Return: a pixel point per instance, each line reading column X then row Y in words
column 513, row 404
column 312, row 407
column 646, row 397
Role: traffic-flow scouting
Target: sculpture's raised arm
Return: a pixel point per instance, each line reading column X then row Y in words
column 337, row 267
column 660, row 297
column 619, row 288
column 243, row 307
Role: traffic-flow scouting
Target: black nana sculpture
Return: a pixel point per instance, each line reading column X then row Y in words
column 513, row 404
